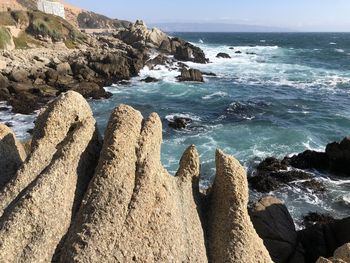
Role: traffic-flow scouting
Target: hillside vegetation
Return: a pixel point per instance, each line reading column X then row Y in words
column 36, row 25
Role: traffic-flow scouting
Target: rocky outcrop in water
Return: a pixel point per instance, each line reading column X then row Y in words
column 335, row 159
column 190, row 75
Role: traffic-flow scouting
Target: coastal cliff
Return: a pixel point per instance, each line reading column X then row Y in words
column 116, row 203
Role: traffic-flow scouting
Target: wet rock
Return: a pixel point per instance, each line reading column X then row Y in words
column 149, row 80
column 190, row 75
column 321, row 240
column 223, row 55
column 180, row 123
column 231, row 235
column 335, row 159
column 251, row 53
column 238, row 52
column 211, row 74
column 153, row 207
column 314, row 218
column 275, row 226
column 12, row 154
column 184, row 51
column 54, row 177
column 308, row 160
column 272, row 174
column 339, row 156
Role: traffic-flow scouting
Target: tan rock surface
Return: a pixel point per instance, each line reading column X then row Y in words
column 343, row 253
column 42, row 199
column 51, row 128
column 231, row 235
column 12, row 154
column 134, row 210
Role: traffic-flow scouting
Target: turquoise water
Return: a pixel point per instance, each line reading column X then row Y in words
column 293, row 94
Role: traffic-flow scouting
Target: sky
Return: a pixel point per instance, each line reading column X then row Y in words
column 299, row 15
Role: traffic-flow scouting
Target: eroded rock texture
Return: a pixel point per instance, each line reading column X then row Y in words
column 12, row 154
column 134, row 210
column 38, row 204
column 231, row 235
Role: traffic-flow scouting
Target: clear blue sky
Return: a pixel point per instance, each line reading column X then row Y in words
column 309, row 15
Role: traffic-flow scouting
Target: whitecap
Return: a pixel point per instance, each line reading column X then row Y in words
column 201, row 41
column 332, row 43
column 340, row 50
column 220, row 94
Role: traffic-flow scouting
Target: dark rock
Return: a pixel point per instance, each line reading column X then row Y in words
column 264, row 184
column 24, row 103
column 238, row 52
column 272, row 164
column 3, row 81
column 211, row 74
column 9, row 124
column 51, row 76
column 321, row 240
column 272, row 174
column 314, row 218
column 251, row 53
column 231, row 48
column 308, row 160
column 276, row 228
column 339, row 156
column 223, row 55
column 190, row 75
column 149, row 80
column 187, row 52
column 180, row 123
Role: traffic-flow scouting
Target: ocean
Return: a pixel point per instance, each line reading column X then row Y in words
column 284, row 93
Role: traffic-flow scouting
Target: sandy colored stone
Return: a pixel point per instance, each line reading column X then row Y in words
column 12, row 154
column 231, row 235
column 343, row 253
column 51, row 128
column 32, row 227
column 134, row 210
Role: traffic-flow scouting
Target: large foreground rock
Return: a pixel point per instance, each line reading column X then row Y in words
column 275, row 226
column 12, row 154
column 231, row 235
column 38, row 204
column 134, row 210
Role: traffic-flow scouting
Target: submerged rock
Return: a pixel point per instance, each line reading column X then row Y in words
column 190, row 75
column 180, row 123
column 223, row 55
column 231, row 235
column 149, row 80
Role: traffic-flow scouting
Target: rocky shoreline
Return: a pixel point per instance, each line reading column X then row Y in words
column 116, row 203
column 30, row 78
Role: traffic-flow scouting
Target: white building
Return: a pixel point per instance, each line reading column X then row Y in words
column 51, row 7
